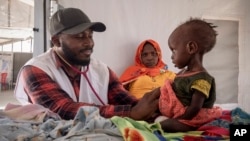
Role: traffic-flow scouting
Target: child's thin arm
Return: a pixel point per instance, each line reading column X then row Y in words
column 195, row 106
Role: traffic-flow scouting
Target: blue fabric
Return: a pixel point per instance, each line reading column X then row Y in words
column 240, row 117
column 159, row 136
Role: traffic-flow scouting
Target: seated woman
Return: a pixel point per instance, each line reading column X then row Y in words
column 148, row 72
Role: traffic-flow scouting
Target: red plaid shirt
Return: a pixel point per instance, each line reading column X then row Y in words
column 41, row 89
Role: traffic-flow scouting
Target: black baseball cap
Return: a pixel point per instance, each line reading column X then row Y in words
column 72, row 21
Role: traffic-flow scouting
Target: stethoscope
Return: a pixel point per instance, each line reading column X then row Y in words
column 84, row 73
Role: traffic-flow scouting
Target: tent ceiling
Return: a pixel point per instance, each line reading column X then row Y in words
column 17, row 20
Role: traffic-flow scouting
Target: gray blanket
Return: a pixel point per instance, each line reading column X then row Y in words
column 87, row 125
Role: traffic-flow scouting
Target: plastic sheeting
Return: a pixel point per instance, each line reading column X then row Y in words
column 17, row 20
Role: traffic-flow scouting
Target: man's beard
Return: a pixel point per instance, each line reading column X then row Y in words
column 70, row 56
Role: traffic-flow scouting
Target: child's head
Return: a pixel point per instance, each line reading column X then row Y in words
column 193, row 37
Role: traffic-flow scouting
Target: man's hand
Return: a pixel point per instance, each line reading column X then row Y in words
column 146, row 106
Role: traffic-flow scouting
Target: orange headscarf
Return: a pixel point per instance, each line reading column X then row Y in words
column 139, row 69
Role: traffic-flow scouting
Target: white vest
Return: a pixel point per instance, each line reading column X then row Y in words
column 98, row 75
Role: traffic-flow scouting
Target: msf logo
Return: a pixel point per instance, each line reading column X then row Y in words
column 240, row 132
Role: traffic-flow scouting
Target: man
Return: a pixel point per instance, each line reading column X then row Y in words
column 66, row 78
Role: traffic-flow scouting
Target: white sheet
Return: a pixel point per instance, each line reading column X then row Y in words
column 228, row 106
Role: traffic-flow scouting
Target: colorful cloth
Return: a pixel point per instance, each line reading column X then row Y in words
column 133, row 130
column 89, row 125
column 142, row 79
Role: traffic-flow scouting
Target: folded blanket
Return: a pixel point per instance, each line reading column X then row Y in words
column 30, row 113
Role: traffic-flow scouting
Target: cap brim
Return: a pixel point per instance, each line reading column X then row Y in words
column 95, row 26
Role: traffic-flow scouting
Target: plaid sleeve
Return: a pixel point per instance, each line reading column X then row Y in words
column 120, row 101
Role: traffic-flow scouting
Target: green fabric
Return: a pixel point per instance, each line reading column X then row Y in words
column 144, row 131
column 133, row 130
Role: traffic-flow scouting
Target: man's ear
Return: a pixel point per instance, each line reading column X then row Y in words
column 192, row 47
column 55, row 41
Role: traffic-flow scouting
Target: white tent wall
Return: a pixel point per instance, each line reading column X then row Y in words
column 131, row 21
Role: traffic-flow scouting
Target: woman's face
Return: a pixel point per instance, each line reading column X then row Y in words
column 149, row 56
